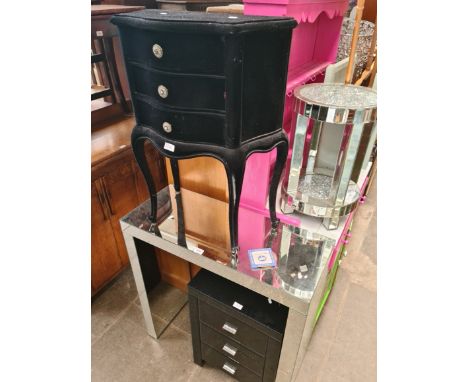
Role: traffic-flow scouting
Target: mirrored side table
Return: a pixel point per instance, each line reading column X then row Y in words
column 333, row 123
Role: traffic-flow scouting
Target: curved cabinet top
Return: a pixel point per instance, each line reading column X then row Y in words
column 200, row 22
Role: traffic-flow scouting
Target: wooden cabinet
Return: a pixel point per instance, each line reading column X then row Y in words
column 117, row 187
column 105, row 260
column 114, row 184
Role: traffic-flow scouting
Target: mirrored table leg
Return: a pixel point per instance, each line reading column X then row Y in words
column 140, row 283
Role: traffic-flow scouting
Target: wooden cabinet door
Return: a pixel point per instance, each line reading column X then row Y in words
column 119, row 183
column 157, row 168
column 105, row 259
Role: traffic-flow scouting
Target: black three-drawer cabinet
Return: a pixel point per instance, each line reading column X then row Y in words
column 206, row 84
column 222, row 75
column 235, row 329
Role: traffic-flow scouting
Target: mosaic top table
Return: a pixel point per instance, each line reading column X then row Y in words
column 303, row 295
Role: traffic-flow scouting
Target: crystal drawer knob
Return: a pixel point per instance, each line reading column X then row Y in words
column 167, row 127
column 162, row 91
column 157, row 51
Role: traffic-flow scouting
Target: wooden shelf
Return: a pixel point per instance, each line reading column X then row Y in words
column 99, row 91
column 110, row 9
column 110, row 138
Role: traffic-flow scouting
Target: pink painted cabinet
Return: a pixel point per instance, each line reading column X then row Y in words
column 314, row 46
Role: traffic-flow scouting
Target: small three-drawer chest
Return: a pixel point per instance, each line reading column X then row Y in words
column 206, row 84
column 235, row 329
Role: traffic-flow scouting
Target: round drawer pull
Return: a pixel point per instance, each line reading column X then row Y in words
column 162, row 91
column 157, row 51
column 167, row 127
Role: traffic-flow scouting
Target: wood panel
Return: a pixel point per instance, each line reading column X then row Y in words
column 105, row 259
column 205, row 219
column 174, row 270
column 369, row 12
column 204, row 175
column 121, row 194
column 109, row 138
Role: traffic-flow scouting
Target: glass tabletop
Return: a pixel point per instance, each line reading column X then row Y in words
column 337, row 96
column 299, row 255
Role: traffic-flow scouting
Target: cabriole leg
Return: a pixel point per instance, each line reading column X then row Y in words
column 235, row 175
column 138, row 146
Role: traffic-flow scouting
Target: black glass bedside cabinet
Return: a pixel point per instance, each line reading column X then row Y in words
column 207, row 84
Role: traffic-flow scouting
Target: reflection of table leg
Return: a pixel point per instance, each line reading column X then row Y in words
column 297, row 154
column 180, row 208
column 140, row 283
column 281, row 156
column 298, row 334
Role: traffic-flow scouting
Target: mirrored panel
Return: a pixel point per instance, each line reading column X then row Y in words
column 299, row 256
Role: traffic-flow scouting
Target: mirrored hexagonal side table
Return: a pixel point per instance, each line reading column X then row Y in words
column 332, row 123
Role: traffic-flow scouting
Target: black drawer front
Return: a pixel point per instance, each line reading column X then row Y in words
column 233, row 328
column 175, row 52
column 232, row 349
column 180, row 91
column 271, row 317
column 187, row 127
column 217, row 360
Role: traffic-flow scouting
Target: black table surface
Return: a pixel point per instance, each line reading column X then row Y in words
column 256, row 306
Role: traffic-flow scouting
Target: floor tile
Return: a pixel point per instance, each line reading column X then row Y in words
column 210, row 374
column 311, row 365
column 166, row 301
column 369, row 244
column 107, row 306
column 182, row 320
column 126, row 353
column 135, row 314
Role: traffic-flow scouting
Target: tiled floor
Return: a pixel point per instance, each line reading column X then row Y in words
column 343, row 347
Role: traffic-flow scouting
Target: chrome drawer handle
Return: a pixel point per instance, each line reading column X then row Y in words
column 230, row 328
column 229, row 368
column 230, row 349
column 157, row 51
column 163, row 91
column 167, row 127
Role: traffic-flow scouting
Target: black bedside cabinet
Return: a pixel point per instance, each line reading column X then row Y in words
column 235, row 329
column 207, row 84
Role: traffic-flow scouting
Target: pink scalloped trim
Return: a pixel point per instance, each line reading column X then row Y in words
column 301, row 12
column 312, row 15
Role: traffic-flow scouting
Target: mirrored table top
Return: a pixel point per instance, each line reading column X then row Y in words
column 301, row 255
